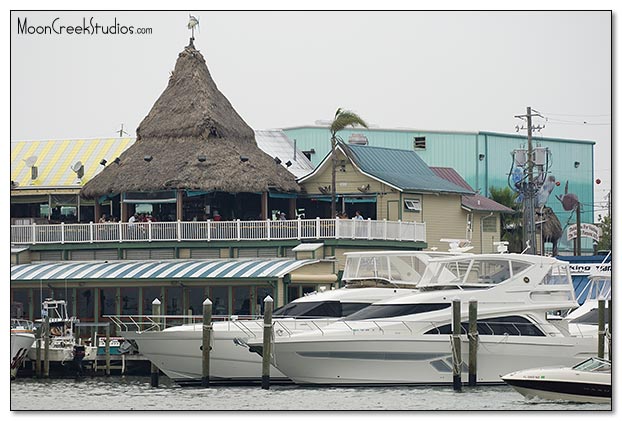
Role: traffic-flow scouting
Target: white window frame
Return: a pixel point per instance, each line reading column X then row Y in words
column 412, row 205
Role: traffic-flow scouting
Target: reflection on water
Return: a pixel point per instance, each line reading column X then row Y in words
column 135, row 393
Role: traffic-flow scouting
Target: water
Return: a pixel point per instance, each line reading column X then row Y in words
column 135, row 393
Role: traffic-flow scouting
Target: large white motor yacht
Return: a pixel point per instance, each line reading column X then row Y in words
column 369, row 277
column 406, row 340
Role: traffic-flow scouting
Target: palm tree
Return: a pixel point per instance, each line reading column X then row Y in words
column 510, row 223
column 343, row 118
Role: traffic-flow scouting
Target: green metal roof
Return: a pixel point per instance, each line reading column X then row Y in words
column 401, row 168
column 172, row 269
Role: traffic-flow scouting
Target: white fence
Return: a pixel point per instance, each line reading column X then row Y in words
column 298, row 229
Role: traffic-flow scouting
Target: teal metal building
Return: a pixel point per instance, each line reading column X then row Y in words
column 483, row 159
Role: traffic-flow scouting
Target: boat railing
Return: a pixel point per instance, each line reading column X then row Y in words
column 21, row 324
column 148, row 323
column 237, row 230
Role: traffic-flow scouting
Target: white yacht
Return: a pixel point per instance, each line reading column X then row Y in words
column 369, row 277
column 598, row 288
column 587, row 382
column 63, row 346
column 22, row 338
column 406, row 340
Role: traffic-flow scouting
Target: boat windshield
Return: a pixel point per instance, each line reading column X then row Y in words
column 474, row 271
column 393, row 268
column 324, row 309
column 593, row 364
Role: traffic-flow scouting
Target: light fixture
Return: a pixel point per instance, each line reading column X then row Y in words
column 243, row 158
column 78, row 168
column 482, row 156
column 576, row 164
column 103, row 162
column 148, row 158
column 202, row 158
column 277, row 160
column 288, row 164
column 117, row 160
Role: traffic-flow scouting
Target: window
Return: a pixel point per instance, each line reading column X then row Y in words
column 510, row 325
column 490, row 224
column 196, row 296
column 129, row 301
column 310, row 309
column 85, row 304
column 413, row 205
column 150, row 294
column 242, row 300
column 174, row 304
column 107, row 301
column 395, row 310
column 219, row 296
column 419, row 143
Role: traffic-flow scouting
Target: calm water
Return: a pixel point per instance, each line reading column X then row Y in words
column 135, row 393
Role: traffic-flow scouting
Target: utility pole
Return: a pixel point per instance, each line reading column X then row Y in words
column 529, row 189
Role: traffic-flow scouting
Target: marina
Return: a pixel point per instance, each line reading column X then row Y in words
column 200, row 264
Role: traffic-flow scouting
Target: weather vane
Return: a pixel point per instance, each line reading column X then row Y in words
column 191, row 24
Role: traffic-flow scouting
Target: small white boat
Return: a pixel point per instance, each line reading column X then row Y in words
column 63, row 346
column 588, row 381
column 22, row 338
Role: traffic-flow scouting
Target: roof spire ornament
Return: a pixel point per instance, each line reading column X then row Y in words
column 192, row 22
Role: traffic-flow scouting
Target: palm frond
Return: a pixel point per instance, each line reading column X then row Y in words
column 345, row 118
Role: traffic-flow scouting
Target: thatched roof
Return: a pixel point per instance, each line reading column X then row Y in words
column 192, row 118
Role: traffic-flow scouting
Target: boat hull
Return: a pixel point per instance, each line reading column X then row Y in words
column 419, row 361
column 178, row 354
column 21, row 341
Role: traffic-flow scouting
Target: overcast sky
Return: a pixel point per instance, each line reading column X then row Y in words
column 440, row 70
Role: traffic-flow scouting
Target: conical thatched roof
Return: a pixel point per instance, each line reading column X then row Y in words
column 192, row 118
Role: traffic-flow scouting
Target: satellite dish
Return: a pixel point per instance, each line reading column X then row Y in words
column 78, row 168
column 30, row 161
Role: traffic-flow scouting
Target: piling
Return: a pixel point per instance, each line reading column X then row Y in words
column 609, row 319
column 456, row 346
column 38, row 352
column 473, row 343
column 107, row 350
column 601, row 328
column 267, row 337
column 155, row 305
column 46, row 347
column 205, row 348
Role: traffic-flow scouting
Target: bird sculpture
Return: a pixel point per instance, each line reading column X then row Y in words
column 192, row 23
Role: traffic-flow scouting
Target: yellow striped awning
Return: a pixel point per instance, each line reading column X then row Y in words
column 54, row 160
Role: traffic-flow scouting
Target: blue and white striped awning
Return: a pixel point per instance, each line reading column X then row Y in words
column 169, row 269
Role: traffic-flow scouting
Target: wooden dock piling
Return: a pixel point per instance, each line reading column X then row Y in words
column 155, row 372
column 38, row 336
column 267, row 337
column 205, row 348
column 601, row 328
column 473, row 343
column 46, row 347
column 456, row 346
column 107, row 350
column 610, row 329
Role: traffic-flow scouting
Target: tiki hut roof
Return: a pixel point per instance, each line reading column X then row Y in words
column 192, row 119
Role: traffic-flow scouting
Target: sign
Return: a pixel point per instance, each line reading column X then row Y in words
column 587, row 230
column 578, row 269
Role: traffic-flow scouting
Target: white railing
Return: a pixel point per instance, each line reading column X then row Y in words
column 297, row 229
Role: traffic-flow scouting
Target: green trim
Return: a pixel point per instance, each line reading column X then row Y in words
column 540, row 139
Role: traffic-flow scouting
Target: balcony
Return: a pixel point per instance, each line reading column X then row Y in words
column 298, row 229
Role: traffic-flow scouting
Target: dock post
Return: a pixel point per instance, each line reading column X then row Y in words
column 601, row 328
column 46, row 347
column 38, row 352
column 267, row 337
column 610, row 329
column 456, row 346
column 207, row 335
column 107, row 350
column 155, row 306
column 473, row 343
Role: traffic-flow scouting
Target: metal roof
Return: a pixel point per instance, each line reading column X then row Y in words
column 401, row 168
column 276, row 144
column 169, row 269
column 54, row 159
column 475, row 202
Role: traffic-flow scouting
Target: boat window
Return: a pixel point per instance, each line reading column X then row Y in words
column 518, row 267
column 510, row 325
column 593, row 364
column 310, row 309
column 349, row 308
column 406, row 268
column 395, row 310
column 473, row 272
column 557, row 275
